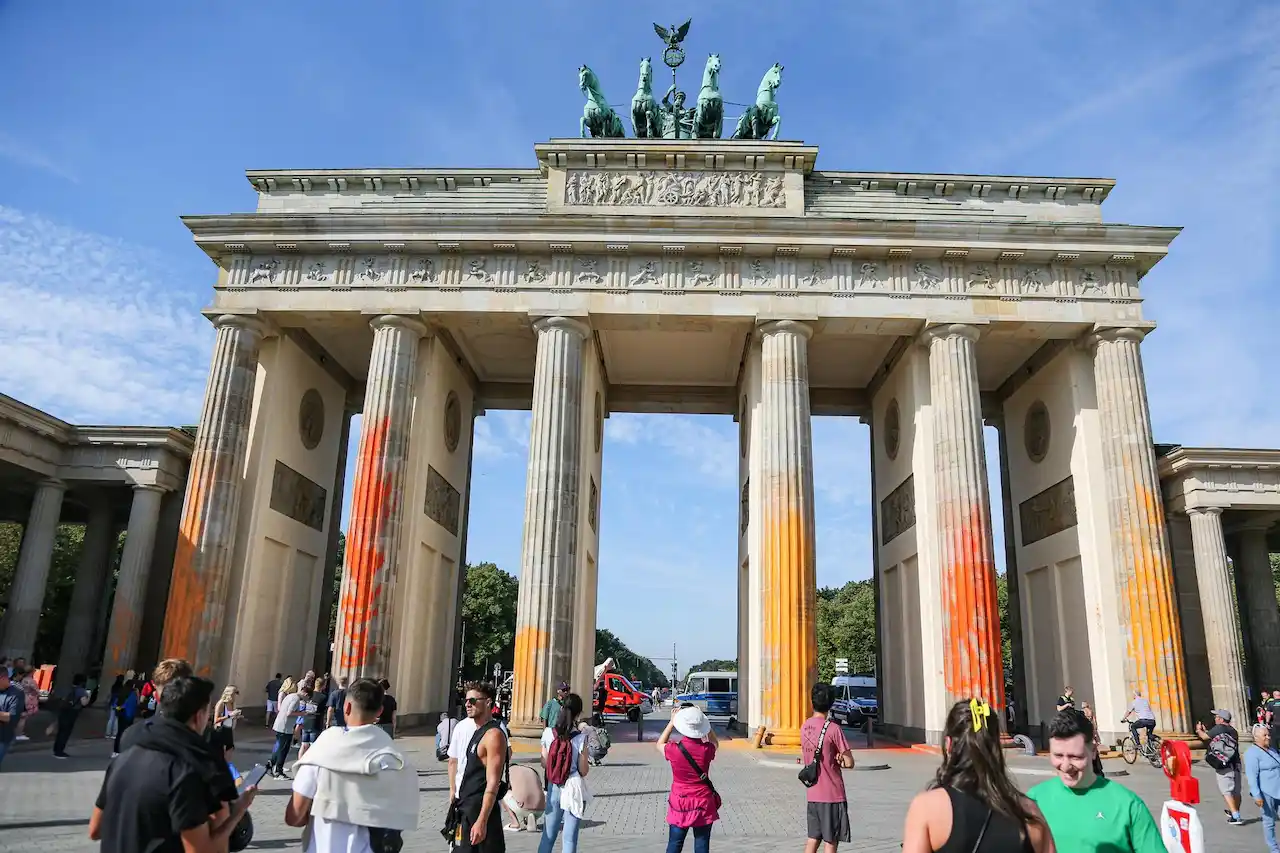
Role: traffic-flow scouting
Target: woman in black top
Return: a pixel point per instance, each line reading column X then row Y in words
column 972, row 806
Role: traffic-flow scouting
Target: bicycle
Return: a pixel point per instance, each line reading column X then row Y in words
column 1149, row 749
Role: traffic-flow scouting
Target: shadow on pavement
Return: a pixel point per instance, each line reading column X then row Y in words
column 45, row 824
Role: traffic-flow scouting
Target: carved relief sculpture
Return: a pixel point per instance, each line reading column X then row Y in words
column 1049, row 512
column 535, row 272
column 761, row 273
column 698, row 276
column 296, row 496
column 590, row 272
column 443, row 503
column 817, row 275
column 452, row 422
column 898, row 511
column 674, row 189
column 266, row 270
column 927, row 277
column 648, row 275
column 1089, row 282
column 423, row 271
column 1033, row 280
column 981, row 276
column 869, row 275
column 317, row 272
column 478, row 268
column 370, row 269
column 311, row 419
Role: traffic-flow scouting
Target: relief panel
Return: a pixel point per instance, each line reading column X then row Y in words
column 898, row 511
column 443, row 503
column 1052, row 511
column 296, row 496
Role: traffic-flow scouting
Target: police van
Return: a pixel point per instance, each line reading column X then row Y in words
column 856, row 699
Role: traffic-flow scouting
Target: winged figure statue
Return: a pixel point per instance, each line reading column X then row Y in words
column 674, row 35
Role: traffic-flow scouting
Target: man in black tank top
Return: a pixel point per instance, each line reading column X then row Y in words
column 480, row 821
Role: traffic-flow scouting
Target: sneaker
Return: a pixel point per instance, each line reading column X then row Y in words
column 61, row 755
column 1234, row 820
column 21, row 738
column 115, row 755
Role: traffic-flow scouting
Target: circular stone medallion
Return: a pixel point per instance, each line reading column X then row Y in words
column 452, row 422
column 599, row 423
column 892, row 429
column 311, row 419
column 1035, row 432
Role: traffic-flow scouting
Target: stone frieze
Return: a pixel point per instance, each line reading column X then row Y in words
column 677, row 271
column 673, row 189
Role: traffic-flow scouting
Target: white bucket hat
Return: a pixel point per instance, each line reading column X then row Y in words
column 691, row 722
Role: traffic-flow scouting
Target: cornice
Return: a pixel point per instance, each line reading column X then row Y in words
column 365, row 180
column 168, row 438
column 1186, row 460
column 31, row 418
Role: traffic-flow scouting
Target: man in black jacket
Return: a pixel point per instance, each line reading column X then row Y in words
column 156, row 796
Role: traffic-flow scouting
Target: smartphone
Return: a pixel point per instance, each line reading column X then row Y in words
column 253, row 777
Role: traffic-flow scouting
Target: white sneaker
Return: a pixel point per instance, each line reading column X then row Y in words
column 115, row 755
column 21, row 737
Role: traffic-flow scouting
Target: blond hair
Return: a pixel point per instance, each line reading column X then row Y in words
column 288, row 687
column 228, row 693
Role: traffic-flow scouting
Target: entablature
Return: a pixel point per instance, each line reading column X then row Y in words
column 1226, row 478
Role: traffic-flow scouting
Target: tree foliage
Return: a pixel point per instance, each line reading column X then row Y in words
column 629, row 663
column 489, row 620
column 715, row 665
column 336, row 580
column 847, row 627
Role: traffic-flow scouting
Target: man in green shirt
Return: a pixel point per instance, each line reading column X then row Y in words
column 1087, row 813
column 551, row 710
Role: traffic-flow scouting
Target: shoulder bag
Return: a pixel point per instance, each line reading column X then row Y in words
column 702, row 777
column 808, row 774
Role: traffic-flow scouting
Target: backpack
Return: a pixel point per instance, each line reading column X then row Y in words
column 560, row 760
column 1222, row 751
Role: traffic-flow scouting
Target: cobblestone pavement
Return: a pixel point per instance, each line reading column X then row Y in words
column 45, row 803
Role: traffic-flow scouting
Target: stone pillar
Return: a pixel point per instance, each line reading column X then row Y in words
column 1221, row 622
column 31, row 576
column 788, row 573
column 1013, row 579
column 1149, row 621
column 544, row 612
column 131, row 584
column 194, row 618
column 362, row 646
column 91, row 577
column 972, row 665
column 320, row 657
column 1257, row 593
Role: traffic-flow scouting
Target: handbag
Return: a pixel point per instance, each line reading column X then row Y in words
column 808, row 774
column 702, row 777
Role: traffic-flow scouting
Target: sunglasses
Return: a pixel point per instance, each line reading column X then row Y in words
column 475, row 700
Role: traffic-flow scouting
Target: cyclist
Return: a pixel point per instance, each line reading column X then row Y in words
column 1140, row 716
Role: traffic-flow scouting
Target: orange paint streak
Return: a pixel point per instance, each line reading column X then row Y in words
column 789, row 635
column 973, row 665
column 360, row 605
column 531, row 644
column 1154, row 636
column 188, row 586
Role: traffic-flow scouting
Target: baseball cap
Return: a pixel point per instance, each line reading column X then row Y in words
column 564, row 685
column 1223, row 713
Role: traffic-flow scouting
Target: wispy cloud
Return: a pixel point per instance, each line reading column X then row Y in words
column 92, row 328
column 14, row 149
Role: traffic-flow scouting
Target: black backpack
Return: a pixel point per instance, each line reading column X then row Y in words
column 1222, row 751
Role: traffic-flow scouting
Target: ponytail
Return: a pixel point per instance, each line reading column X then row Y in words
column 566, row 724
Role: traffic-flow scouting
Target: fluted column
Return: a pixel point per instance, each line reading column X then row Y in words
column 194, row 617
column 1221, row 622
column 131, row 586
column 364, row 632
column 972, row 665
column 320, row 657
column 1257, row 593
column 1149, row 622
column 91, row 576
column 788, row 573
column 544, row 611
column 31, row 576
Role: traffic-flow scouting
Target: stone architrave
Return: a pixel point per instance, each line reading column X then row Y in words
column 194, row 617
column 788, row 579
column 131, row 585
column 1221, row 622
column 1149, row 621
column 545, row 609
column 362, row 646
column 1257, row 595
column 91, row 575
column 972, row 663
column 26, row 594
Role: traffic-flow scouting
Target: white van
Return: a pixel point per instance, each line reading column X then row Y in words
column 856, row 699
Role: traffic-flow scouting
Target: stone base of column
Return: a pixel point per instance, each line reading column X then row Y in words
column 526, row 728
column 782, row 737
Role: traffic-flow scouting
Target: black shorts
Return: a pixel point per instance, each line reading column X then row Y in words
column 495, row 840
column 828, row 822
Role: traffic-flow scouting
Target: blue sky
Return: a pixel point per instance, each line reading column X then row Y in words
column 116, row 119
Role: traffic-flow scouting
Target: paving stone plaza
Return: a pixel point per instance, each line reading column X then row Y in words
column 45, row 804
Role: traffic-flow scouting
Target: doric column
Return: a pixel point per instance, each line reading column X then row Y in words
column 1218, row 605
column 363, row 643
column 1256, row 587
column 91, row 575
column 1153, row 655
column 26, row 595
column 544, row 612
column 788, row 573
column 972, row 665
column 131, row 584
column 206, row 536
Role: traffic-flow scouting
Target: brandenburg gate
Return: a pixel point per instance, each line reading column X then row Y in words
column 686, row 275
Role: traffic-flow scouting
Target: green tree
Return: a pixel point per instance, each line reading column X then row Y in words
column 715, row 665
column 336, row 580
column 62, row 579
column 1006, row 641
column 1275, row 572
column 628, row 662
column 847, row 627
column 489, row 619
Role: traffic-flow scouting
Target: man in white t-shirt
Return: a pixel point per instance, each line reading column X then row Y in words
column 284, row 734
column 458, row 743
column 351, row 779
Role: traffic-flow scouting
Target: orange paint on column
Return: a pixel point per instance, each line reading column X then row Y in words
column 789, row 637
column 531, row 643
column 188, row 584
column 974, row 667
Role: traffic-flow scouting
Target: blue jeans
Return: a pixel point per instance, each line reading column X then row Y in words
column 552, row 818
column 4, row 747
column 278, row 755
column 1136, row 726
column 1269, row 807
column 701, row 838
